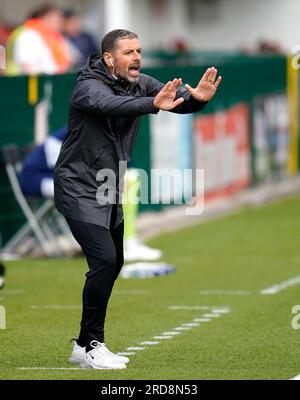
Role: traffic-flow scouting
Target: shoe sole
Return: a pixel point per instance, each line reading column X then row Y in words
column 74, row 360
column 86, row 365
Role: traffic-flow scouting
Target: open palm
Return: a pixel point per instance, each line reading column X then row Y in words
column 206, row 87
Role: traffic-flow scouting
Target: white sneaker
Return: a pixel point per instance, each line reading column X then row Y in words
column 98, row 358
column 1, row 282
column 115, row 357
column 2, row 273
column 78, row 354
column 135, row 250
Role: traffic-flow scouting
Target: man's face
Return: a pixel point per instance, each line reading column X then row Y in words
column 54, row 20
column 127, row 59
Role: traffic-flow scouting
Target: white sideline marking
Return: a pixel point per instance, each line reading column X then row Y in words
column 224, row 292
column 13, row 291
column 55, row 307
column 50, row 368
column 126, row 353
column 211, row 315
column 135, row 348
column 190, row 307
column 221, row 310
column 183, row 328
column 215, row 312
column 279, row 287
column 133, row 291
column 203, row 319
column 162, row 337
column 149, row 343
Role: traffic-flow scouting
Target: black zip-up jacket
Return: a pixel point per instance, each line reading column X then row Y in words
column 104, row 117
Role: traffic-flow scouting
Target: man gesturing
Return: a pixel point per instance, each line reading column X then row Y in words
column 109, row 99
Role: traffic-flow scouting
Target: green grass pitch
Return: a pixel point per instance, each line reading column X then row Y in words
column 234, row 257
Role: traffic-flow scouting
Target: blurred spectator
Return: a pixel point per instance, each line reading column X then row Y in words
column 181, row 46
column 82, row 41
column 183, row 55
column 37, row 46
column 5, row 31
column 269, row 47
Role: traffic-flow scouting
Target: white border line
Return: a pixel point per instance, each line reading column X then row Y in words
column 224, row 292
column 50, row 368
column 162, row 337
column 149, row 343
column 55, row 307
column 279, row 287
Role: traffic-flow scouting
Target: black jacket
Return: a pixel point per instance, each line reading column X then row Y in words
column 104, row 117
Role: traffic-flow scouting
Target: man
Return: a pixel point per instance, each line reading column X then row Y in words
column 37, row 46
column 83, row 42
column 107, row 104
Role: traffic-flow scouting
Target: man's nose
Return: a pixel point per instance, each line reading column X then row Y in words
column 137, row 56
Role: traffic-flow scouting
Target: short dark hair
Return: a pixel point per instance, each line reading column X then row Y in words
column 69, row 13
column 110, row 40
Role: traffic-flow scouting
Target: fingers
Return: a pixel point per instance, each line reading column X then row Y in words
column 177, row 102
column 172, row 85
column 218, row 82
column 188, row 88
column 206, row 74
column 176, row 83
column 166, row 87
column 212, row 75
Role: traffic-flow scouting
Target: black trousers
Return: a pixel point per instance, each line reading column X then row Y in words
column 103, row 249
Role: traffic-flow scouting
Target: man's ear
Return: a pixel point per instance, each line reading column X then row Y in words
column 107, row 57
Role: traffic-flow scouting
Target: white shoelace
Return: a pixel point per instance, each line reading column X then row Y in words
column 102, row 348
column 99, row 347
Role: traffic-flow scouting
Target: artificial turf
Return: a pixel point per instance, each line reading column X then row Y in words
column 234, row 257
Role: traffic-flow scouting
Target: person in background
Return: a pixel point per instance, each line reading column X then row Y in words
column 36, row 177
column 37, row 46
column 5, row 31
column 81, row 41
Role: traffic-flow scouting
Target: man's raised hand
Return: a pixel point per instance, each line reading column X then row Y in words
column 165, row 99
column 206, row 87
